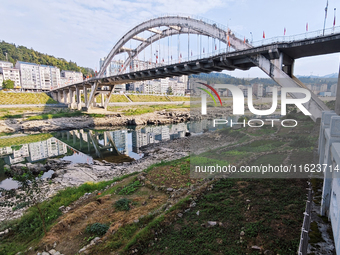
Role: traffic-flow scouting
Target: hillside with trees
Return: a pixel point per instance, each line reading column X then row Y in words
column 22, row 53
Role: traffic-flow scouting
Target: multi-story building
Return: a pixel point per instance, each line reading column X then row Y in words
column 38, row 77
column 12, row 74
column 30, row 75
column 258, row 90
column 334, row 88
column 70, row 77
column 6, row 64
column 323, row 88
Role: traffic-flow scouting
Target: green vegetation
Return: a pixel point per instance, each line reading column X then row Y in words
column 7, row 142
column 56, row 115
column 141, row 109
column 264, row 220
column 130, row 188
column 28, row 229
column 113, row 99
column 145, row 98
column 8, row 84
column 22, row 53
column 97, row 229
column 123, row 204
column 178, row 98
column 25, row 98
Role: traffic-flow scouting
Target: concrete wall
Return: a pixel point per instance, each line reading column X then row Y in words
column 329, row 152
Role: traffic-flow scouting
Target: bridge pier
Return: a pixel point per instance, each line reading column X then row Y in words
column 65, row 93
column 85, row 95
column 78, row 98
column 275, row 71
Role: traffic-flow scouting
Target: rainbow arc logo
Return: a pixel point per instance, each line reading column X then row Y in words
column 209, row 93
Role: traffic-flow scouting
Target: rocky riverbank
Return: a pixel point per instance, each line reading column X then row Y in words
column 155, row 118
column 70, row 175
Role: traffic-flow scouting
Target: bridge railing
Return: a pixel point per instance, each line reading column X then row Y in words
column 303, row 36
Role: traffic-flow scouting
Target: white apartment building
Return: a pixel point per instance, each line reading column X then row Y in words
column 38, row 77
column 11, row 74
column 70, row 77
column 334, row 89
column 6, row 64
column 258, row 89
column 30, row 75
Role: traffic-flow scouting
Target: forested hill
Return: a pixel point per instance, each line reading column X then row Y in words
column 22, row 53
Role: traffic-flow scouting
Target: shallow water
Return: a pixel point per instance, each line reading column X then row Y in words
column 85, row 145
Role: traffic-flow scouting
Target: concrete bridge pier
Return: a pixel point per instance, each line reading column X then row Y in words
column 78, row 98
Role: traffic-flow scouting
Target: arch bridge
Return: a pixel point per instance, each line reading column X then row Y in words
column 275, row 57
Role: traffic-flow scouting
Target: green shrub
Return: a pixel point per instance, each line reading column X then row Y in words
column 123, row 204
column 97, row 229
column 130, row 188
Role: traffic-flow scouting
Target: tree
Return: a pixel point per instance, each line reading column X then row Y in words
column 8, row 84
column 169, row 91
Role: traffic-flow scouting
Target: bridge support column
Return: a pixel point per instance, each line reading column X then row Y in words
column 66, row 96
column 59, row 96
column 78, row 98
column 102, row 100
column 107, row 101
column 315, row 106
column 85, row 95
column 91, row 100
column 71, row 98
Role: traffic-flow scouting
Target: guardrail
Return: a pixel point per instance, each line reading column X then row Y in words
column 306, row 224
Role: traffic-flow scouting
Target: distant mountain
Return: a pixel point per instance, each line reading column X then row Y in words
column 332, row 75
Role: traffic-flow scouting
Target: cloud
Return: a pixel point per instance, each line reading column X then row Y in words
column 84, row 30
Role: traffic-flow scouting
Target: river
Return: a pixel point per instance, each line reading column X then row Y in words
column 85, row 145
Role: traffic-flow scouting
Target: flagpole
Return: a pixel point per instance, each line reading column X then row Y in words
column 324, row 23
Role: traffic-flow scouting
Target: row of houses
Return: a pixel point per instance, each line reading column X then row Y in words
column 31, row 76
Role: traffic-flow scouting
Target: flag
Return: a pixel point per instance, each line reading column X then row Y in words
column 229, row 43
column 244, row 40
column 203, row 49
column 264, row 36
column 191, row 53
column 215, row 47
column 227, row 37
column 326, row 10
column 284, row 31
column 334, row 22
column 307, row 26
column 180, row 55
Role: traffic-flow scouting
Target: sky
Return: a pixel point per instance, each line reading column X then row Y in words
column 85, row 30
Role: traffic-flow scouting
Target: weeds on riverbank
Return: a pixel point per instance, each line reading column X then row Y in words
column 28, row 230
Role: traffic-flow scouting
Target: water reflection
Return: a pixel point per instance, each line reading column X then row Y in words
column 83, row 146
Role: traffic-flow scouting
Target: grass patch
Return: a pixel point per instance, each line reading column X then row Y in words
column 178, row 98
column 7, row 142
column 25, row 98
column 148, row 98
column 142, row 109
column 265, row 223
column 28, row 229
column 56, row 115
